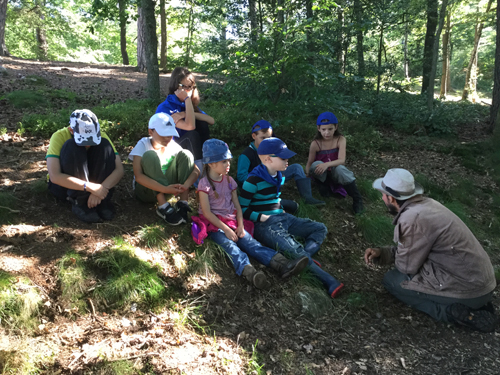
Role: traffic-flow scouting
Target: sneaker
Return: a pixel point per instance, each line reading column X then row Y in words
column 88, row 215
column 170, row 215
column 478, row 320
column 183, row 209
column 106, row 210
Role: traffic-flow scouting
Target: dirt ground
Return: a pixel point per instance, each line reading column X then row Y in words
column 364, row 331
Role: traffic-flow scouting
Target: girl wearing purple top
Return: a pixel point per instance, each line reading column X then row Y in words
column 327, row 155
column 221, row 219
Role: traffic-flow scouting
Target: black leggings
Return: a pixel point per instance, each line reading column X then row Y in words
column 193, row 140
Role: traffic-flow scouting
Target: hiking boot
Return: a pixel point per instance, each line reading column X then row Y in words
column 357, row 199
column 183, row 209
column 106, row 210
column 170, row 215
column 478, row 320
column 304, row 187
column 286, row 267
column 257, row 278
column 88, row 215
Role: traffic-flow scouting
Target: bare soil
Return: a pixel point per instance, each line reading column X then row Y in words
column 364, row 331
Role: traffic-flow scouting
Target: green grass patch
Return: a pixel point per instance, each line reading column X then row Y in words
column 377, row 229
column 37, row 80
column 8, row 204
column 73, row 277
column 153, row 236
column 208, row 257
column 115, row 368
column 27, row 99
column 130, row 279
column 39, row 186
column 365, row 186
column 19, row 302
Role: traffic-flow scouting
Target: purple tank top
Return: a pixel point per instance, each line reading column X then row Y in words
column 326, row 155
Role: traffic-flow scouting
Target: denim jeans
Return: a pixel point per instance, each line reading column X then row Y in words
column 237, row 251
column 278, row 233
column 339, row 174
column 294, row 171
column 433, row 305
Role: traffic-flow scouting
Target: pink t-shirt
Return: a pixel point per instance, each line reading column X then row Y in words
column 223, row 205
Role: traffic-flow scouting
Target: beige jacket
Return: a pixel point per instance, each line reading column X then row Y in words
column 439, row 251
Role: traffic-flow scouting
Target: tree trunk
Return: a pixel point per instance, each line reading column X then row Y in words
column 254, row 28
column 189, row 36
column 223, row 40
column 445, row 75
column 123, row 30
column 148, row 8
column 469, row 92
column 495, row 100
column 163, row 27
column 141, row 43
column 340, row 39
column 358, row 9
column 432, row 20
column 405, row 47
column 281, row 13
column 260, row 17
column 310, row 42
column 379, row 61
column 3, row 19
column 41, row 38
column 435, row 53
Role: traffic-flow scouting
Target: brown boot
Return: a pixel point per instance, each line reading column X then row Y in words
column 257, row 278
column 286, row 267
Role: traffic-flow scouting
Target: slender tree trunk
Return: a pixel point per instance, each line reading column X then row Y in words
column 469, row 92
column 163, row 28
column 281, row 13
column 358, row 9
column 432, row 20
column 254, row 30
column 340, row 39
column 379, row 60
column 123, row 30
column 495, row 100
column 189, row 37
column 148, row 7
column 223, row 40
column 405, row 67
column 260, row 18
column 141, row 43
column 41, row 37
column 435, row 53
column 446, row 58
column 310, row 42
column 3, row 19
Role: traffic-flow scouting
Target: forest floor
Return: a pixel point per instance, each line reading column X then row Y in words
column 226, row 327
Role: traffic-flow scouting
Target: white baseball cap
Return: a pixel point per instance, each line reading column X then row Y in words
column 163, row 124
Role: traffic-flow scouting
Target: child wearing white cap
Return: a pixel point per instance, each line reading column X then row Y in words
column 162, row 168
column 84, row 167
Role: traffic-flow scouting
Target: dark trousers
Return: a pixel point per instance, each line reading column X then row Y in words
column 433, row 305
column 193, row 140
column 94, row 164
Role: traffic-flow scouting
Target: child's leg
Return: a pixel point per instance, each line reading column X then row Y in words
column 180, row 169
column 255, row 249
column 313, row 232
column 294, row 171
column 238, row 257
column 151, row 167
column 101, row 161
column 321, row 177
column 344, row 176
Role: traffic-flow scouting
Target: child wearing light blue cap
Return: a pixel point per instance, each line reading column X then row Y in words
column 221, row 219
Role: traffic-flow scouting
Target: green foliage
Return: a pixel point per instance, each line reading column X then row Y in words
column 7, row 201
column 73, row 278
column 39, row 186
column 37, row 80
column 254, row 365
column 19, row 302
column 129, row 278
column 377, row 229
column 153, row 236
column 3, row 130
column 27, row 99
column 114, row 368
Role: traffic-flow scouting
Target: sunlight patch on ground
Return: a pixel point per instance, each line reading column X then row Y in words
column 13, row 264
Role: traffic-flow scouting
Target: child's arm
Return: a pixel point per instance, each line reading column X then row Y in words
column 247, row 192
column 189, row 122
column 240, row 231
column 148, row 182
column 192, row 178
column 340, row 161
column 205, row 208
column 204, row 117
column 243, row 169
column 313, row 150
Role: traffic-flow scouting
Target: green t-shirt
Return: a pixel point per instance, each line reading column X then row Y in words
column 60, row 137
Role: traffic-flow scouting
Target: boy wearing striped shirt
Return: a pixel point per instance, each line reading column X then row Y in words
column 260, row 202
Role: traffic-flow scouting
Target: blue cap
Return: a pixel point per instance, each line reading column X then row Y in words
column 215, row 150
column 327, row 118
column 275, row 147
column 261, row 125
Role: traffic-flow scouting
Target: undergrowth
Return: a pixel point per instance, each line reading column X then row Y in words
column 74, row 280
column 8, row 205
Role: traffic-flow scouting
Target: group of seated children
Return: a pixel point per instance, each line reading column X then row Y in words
column 84, row 167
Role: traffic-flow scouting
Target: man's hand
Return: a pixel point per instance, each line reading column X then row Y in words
column 178, row 116
column 93, row 201
column 230, row 234
column 174, row 189
column 371, row 254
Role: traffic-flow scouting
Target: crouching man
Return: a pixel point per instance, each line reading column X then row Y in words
column 441, row 268
column 84, row 167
